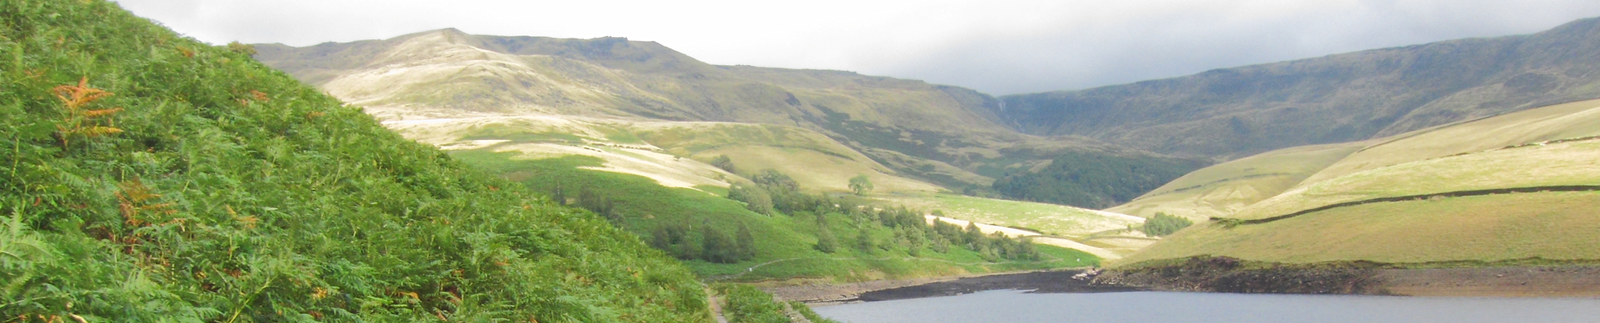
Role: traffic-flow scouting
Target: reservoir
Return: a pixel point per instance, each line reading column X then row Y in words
column 1012, row 306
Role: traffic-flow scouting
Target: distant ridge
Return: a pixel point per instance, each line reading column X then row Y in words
column 1240, row 111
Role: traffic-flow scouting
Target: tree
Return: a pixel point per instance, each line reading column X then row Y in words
column 725, row 163
column 825, row 240
column 1164, row 224
column 755, row 198
column 715, row 246
column 776, row 181
column 864, row 241
column 860, row 184
column 745, row 242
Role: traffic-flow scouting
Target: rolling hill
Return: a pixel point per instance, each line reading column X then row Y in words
column 1516, row 187
column 934, row 133
column 1234, row 112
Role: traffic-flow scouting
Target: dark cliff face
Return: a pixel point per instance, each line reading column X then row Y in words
column 1240, row 111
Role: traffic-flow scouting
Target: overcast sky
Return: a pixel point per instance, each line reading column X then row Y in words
column 996, row 46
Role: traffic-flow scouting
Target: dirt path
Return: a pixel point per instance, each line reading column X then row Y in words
column 794, row 316
column 715, row 303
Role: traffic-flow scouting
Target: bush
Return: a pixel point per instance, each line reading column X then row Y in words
column 1164, row 224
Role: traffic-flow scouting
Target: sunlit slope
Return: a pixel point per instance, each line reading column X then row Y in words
column 814, row 160
column 1223, row 189
column 934, row 133
column 1487, row 228
column 1571, row 120
column 1510, row 187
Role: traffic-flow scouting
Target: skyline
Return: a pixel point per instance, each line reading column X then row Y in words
column 998, row 47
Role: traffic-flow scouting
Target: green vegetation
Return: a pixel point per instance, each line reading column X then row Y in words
column 1051, row 219
column 1401, row 200
column 860, row 184
column 1476, row 229
column 801, row 122
column 1093, row 180
column 725, row 163
column 807, row 235
column 1163, row 224
column 745, row 304
column 809, row 314
column 1221, row 189
column 149, row 177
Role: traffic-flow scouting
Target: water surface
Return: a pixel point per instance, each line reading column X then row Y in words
column 1010, row 306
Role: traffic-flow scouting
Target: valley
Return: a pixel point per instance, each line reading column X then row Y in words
column 441, row 175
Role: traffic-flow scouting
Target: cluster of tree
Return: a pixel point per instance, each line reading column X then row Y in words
column 725, row 163
column 911, row 229
column 1093, row 180
column 591, row 200
column 1164, row 224
column 715, row 245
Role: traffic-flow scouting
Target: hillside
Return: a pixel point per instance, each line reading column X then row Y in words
column 937, row 134
column 1339, row 98
column 151, row 177
column 1516, row 187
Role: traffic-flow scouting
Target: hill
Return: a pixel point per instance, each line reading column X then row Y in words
column 937, row 134
column 1339, row 98
column 1516, row 187
column 151, row 177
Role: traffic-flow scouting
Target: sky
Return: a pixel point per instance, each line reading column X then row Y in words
column 996, row 46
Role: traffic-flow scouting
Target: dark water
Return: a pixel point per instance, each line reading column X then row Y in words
column 1010, row 306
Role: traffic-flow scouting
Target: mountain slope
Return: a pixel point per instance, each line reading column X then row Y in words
column 1338, row 98
column 151, row 177
column 929, row 132
column 1513, row 187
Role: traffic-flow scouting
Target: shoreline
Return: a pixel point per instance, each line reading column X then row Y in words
column 1569, row 281
column 1038, row 281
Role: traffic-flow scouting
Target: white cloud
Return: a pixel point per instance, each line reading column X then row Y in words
column 997, row 46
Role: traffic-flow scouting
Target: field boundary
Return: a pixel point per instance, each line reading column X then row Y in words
column 1535, row 189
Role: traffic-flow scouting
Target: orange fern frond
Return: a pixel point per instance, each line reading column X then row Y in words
column 100, row 131
column 260, row 96
column 78, row 96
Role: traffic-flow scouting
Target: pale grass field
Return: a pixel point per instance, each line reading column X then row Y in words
column 1571, row 120
column 1222, row 189
column 1553, row 225
column 1050, row 219
column 1570, row 163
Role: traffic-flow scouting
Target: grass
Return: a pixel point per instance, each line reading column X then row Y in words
column 1476, row 155
column 1577, row 119
column 1222, row 189
column 1571, row 163
column 1492, row 228
column 788, row 240
column 1050, row 219
column 236, row 193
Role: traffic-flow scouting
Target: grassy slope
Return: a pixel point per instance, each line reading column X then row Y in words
column 1571, row 120
column 1338, row 98
column 1223, row 189
column 269, row 201
column 1479, row 228
column 1490, row 228
column 814, row 160
column 929, row 132
column 785, row 241
column 1049, row 219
